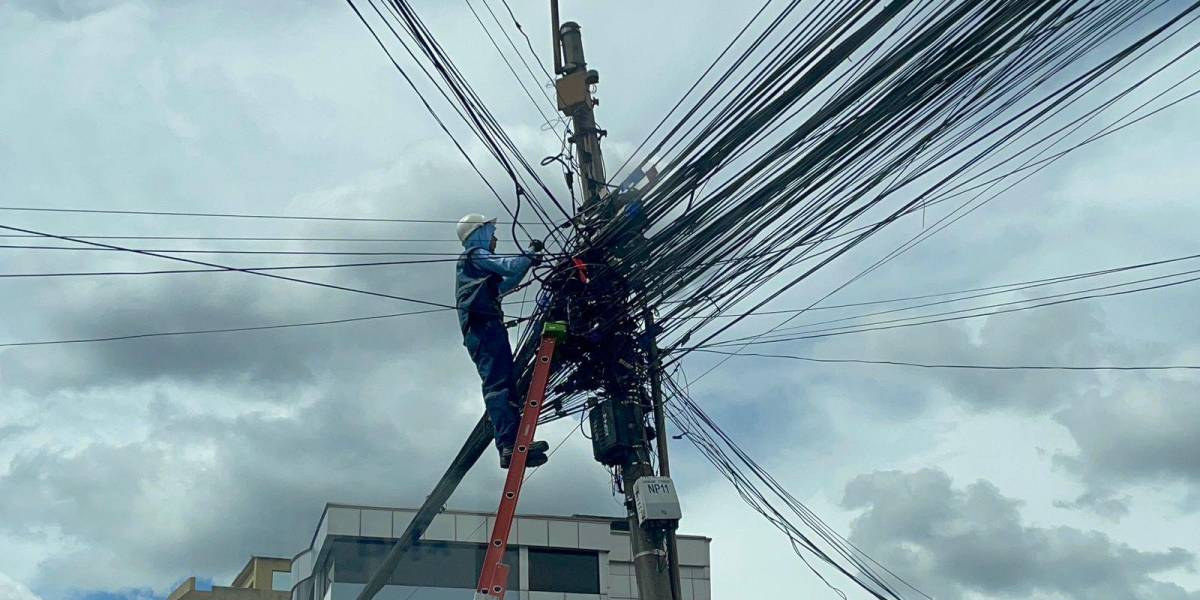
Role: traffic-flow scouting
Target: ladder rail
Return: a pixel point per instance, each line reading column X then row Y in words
column 493, row 580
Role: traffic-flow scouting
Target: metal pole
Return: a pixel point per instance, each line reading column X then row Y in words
column 660, row 429
column 660, row 417
column 558, row 68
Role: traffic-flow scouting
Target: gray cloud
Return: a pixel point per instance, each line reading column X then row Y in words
column 1145, row 432
column 199, row 493
column 1101, row 501
column 11, row 589
column 66, row 10
column 180, row 304
column 228, row 445
column 1066, row 335
column 1129, row 429
column 973, row 540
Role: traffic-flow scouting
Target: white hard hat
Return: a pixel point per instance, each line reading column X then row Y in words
column 468, row 224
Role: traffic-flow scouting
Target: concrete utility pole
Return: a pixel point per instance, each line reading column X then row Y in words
column 660, row 428
column 576, row 101
column 649, row 543
column 653, row 544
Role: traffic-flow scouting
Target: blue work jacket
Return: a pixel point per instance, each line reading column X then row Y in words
column 481, row 278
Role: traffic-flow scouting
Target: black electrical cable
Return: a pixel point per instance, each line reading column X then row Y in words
column 532, row 53
column 278, row 217
column 466, row 102
column 542, row 85
column 221, row 270
column 511, row 69
column 899, row 363
column 247, row 238
column 228, row 268
column 740, row 469
column 138, row 336
column 959, row 88
column 1005, row 290
column 975, row 292
column 214, row 251
column 941, row 318
column 694, row 253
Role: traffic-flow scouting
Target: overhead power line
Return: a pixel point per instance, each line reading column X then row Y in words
column 159, row 334
column 956, row 315
column 165, row 251
column 529, row 44
column 210, row 238
column 219, row 270
column 807, row 533
column 250, row 328
column 977, row 292
column 898, row 363
column 228, row 268
column 830, row 121
column 430, row 58
column 517, row 77
column 163, row 213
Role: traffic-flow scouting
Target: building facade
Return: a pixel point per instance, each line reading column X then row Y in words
column 552, row 557
column 263, row 578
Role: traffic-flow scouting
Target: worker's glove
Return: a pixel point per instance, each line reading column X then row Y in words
column 535, row 251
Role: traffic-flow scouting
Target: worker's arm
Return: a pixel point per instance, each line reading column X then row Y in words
column 511, row 268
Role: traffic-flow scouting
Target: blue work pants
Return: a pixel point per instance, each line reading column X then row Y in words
column 487, row 343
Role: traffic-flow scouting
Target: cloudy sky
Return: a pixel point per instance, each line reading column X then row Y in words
column 127, row 466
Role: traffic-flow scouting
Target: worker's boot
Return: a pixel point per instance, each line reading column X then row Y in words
column 537, row 455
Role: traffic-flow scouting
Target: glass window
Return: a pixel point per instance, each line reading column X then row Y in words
column 281, row 581
column 304, row 591
column 426, row 564
column 351, row 591
column 571, row 571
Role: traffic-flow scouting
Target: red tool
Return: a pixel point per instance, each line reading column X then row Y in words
column 581, row 268
column 494, row 579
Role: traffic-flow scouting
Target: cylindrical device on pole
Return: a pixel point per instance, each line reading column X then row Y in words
column 576, row 102
column 572, row 47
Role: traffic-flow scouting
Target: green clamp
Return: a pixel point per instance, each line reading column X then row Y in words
column 555, row 329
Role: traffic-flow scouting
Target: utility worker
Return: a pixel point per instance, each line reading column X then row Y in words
column 481, row 278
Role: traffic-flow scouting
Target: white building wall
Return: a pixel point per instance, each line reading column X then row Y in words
column 694, row 570
column 617, row 581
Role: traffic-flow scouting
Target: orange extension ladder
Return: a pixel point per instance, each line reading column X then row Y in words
column 493, row 580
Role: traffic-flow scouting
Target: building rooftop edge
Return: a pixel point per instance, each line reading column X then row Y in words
column 574, row 517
